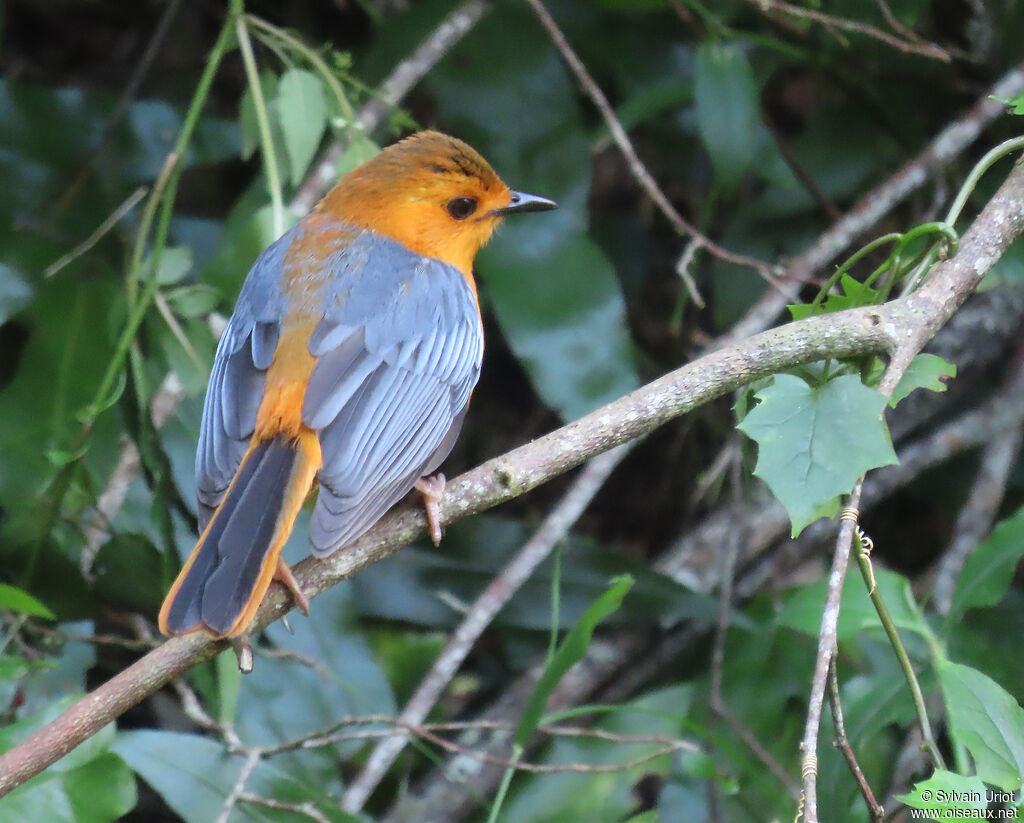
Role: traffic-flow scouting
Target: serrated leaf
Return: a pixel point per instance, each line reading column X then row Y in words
column 949, row 795
column 814, row 442
column 926, row 371
column 988, row 572
column 21, row 601
column 570, row 651
column 854, row 294
column 988, row 721
column 727, row 107
column 302, row 109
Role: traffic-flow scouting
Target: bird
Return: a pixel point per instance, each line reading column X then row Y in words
column 348, row 363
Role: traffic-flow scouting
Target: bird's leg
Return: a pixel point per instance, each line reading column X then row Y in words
column 284, row 574
column 432, row 489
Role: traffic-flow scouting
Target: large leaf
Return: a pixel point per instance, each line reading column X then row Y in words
column 949, row 795
column 88, row 785
column 814, row 442
column 570, row 651
column 988, row 572
column 302, row 111
column 803, row 607
column 194, row 775
column 727, row 109
column 988, row 721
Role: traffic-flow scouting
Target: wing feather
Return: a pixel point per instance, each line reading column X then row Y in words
column 386, row 414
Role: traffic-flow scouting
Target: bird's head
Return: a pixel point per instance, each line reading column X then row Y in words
column 432, row 193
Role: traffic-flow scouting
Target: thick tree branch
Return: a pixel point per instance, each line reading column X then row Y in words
column 900, row 327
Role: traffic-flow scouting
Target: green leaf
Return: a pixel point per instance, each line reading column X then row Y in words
column 854, row 294
column 988, row 721
column 247, row 113
column 359, row 150
column 814, row 442
column 99, row 791
column 570, row 651
column 21, row 601
column 88, row 785
column 803, row 606
column 988, row 572
column 194, row 774
column 926, row 371
column 193, row 301
column 949, row 795
column 1016, row 103
column 302, row 110
column 175, row 264
column 727, row 109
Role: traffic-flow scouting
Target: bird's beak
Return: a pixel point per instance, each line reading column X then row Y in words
column 522, row 202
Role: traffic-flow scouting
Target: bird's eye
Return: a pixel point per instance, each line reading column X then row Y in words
column 462, row 207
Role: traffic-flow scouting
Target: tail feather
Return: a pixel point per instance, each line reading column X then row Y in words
column 230, row 569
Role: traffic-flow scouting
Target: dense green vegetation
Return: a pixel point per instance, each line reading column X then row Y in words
column 151, row 151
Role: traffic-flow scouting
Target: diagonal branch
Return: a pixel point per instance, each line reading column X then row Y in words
column 900, row 328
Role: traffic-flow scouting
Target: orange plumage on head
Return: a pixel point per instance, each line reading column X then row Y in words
column 404, row 194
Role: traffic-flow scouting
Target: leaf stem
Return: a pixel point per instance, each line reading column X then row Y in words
column 979, row 169
column 311, row 56
column 262, row 119
column 864, row 562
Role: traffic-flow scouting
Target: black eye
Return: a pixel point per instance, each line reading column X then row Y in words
column 461, row 207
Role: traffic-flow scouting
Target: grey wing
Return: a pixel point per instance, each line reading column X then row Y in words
column 237, row 380
column 389, row 390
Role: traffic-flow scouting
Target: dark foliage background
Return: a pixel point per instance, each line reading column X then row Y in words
column 761, row 126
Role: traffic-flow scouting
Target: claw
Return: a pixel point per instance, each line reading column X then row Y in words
column 284, row 574
column 432, row 489
column 242, row 647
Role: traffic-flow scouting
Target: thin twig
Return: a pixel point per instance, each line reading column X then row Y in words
column 251, row 759
column 826, row 648
column 930, row 50
column 122, row 108
column 725, row 598
column 307, row 809
column 872, row 207
column 115, row 217
column 636, row 166
column 500, row 590
column 979, row 512
column 399, row 83
column 843, row 744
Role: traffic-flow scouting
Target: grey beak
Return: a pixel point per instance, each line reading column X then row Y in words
column 522, row 202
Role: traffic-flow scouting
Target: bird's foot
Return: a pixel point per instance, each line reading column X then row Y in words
column 432, row 489
column 284, row 574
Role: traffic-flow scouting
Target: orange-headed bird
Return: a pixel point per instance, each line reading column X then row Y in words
column 349, row 359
